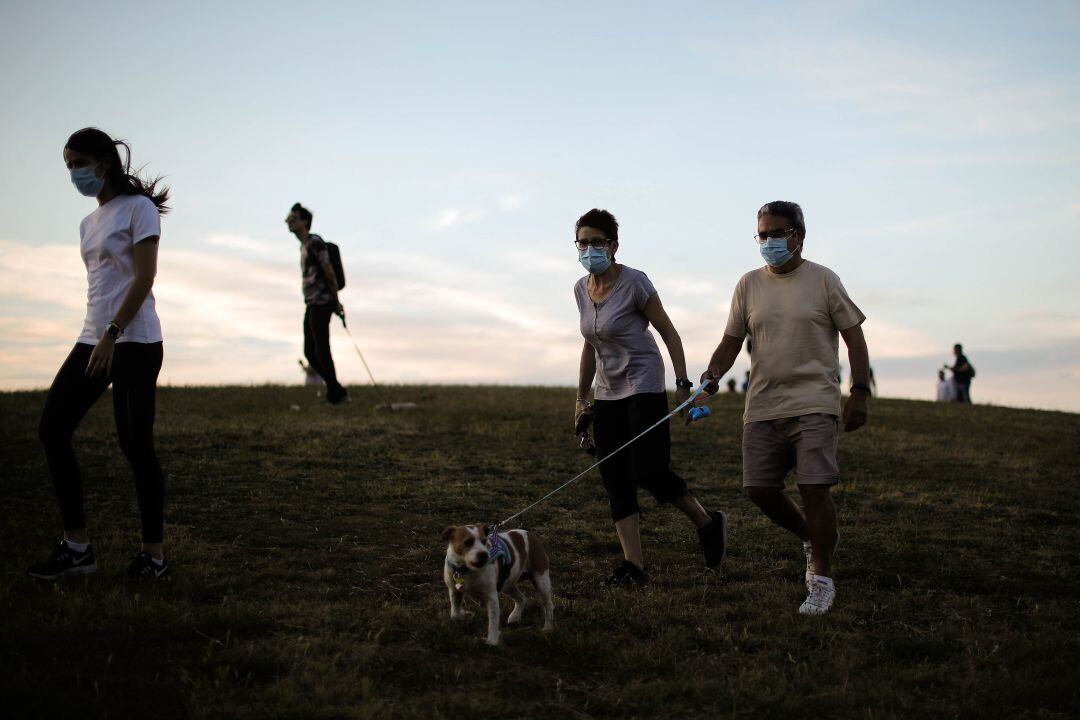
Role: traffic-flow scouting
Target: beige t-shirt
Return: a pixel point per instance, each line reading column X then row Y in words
column 794, row 320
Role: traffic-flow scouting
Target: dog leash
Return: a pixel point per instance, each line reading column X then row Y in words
column 693, row 396
column 374, row 384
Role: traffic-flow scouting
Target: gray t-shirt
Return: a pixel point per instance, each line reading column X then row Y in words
column 627, row 359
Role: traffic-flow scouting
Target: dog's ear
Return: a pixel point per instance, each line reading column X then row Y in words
column 447, row 532
column 485, row 528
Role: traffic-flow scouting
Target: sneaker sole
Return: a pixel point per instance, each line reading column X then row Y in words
column 77, row 570
column 806, row 609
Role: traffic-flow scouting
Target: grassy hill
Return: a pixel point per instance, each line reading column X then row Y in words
column 307, row 569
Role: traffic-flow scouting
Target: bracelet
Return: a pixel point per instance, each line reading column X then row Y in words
column 583, row 400
column 859, row 387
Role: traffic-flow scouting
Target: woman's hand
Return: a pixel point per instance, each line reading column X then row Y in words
column 100, row 364
column 583, row 415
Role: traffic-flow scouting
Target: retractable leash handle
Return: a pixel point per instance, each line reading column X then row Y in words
column 699, row 413
column 693, row 396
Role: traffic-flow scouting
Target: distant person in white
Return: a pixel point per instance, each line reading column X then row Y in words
column 120, row 344
column 946, row 390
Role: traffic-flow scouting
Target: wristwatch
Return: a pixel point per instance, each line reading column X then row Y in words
column 113, row 330
column 683, row 384
column 859, row 387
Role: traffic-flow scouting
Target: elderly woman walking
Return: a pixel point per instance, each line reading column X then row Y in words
column 617, row 304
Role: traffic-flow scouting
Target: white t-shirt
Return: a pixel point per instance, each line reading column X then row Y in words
column 946, row 391
column 107, row 242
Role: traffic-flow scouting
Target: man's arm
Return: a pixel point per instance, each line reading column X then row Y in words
column 721, row 361
column 329, row 275
column 856, row 409
column 331, row 278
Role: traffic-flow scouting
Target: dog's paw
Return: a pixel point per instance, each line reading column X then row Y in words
column 492, row 642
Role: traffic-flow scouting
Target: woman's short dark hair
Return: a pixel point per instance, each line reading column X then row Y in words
column 601, row 220
column 98, row 145
column 788, row 210
column 304, row 213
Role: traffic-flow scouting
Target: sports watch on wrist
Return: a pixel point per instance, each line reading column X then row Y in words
column 683, row 384
column 859, row 387
column 113, row 330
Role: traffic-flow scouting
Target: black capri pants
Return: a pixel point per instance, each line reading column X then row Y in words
column 135, row 369
column 646, row 463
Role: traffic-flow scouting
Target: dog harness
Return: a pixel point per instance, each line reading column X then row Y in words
column 497, row 552
column 501, row 553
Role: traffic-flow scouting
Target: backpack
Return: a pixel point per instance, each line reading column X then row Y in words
column 335, row 261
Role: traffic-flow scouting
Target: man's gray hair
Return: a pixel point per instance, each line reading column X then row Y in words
column 788, row 210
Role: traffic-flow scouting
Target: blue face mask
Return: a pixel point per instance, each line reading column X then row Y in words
column 775, row 251
column 595, row 260
column 86, row 182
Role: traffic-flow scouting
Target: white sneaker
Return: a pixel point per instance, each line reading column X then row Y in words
column 820, row 599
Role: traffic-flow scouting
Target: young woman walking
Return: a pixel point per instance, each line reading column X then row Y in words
column 120, row 344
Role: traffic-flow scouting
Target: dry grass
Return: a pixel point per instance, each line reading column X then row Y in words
column 307, row 560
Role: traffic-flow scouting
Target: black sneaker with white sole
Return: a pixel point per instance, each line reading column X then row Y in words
column 627, row 575
column 340, row 399
column 144, row 566
column 64, row 561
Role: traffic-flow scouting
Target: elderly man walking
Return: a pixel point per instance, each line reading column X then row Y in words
column 794, row 309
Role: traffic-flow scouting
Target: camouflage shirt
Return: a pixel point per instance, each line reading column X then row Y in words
column 312, row 256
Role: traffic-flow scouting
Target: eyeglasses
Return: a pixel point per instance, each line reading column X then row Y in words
column 762, row 237
column 597, row 243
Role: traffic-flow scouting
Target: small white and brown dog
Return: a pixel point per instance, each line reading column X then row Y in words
column 483, row 567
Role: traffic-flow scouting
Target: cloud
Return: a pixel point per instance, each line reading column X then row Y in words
column 246, row 245
column 236, row 319
column 1054, row 325
column 451, row 217
column 511, row 203
column 936, row 94
column 887, row 340
column 53, row 275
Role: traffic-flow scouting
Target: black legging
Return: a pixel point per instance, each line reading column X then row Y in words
column 317, row 346
column 646, row 463
column 135, row 369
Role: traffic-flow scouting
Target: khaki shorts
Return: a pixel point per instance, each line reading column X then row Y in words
column 806, row 443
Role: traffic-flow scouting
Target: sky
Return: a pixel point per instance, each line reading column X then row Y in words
column 448, row 149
